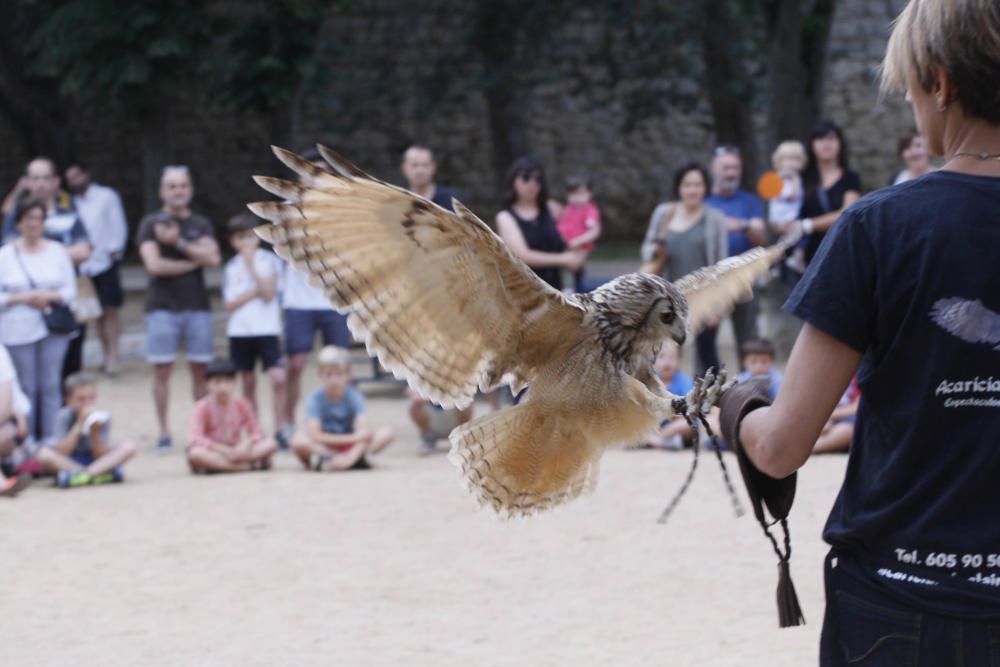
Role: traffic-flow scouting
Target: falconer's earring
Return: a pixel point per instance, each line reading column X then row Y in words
column 942, row 107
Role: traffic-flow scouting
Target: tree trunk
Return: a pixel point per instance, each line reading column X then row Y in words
column 34, row 105
column 728, row 84
column 157, row 152
column 796, row 66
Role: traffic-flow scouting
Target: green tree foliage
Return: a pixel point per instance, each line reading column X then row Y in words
column 125, row 58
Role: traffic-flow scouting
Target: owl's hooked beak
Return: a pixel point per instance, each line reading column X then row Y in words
column 680, row 337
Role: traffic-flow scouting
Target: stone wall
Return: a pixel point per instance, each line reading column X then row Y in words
column 395, row 73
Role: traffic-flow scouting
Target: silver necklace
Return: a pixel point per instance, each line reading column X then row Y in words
column 978, row 156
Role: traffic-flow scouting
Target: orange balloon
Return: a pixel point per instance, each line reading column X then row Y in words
column 769, row 185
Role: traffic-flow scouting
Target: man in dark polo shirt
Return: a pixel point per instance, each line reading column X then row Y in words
column 418, row 168
column 433, row 421
column 175, row 245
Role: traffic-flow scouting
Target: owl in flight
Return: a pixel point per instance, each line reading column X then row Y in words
column 441, row 301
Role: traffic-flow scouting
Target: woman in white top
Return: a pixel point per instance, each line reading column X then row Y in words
column 35, row 273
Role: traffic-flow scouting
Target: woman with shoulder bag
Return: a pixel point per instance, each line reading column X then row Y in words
column 37, row 282
column 683, row 236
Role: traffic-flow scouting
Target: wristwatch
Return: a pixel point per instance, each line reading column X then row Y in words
column 807, row 226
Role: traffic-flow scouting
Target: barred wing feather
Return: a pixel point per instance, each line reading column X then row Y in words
column 435, row 295
column 712, row 292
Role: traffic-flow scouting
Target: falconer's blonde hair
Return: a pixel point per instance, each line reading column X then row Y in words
column 962, row 37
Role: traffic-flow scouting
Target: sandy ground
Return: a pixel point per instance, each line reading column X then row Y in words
column 394, row 566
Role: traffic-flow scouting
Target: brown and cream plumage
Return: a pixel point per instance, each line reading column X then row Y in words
column 442, row 302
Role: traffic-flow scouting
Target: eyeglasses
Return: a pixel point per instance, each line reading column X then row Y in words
column 531, row 176
column 725, row 149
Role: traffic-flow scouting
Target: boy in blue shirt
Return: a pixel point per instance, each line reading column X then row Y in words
column 758, row 364
column 337, row 435
column 673, row 433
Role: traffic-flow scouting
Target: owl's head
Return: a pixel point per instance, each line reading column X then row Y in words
column 639, row 311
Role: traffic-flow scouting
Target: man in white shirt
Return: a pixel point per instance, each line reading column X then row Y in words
column 250, row 286
column 100, row 210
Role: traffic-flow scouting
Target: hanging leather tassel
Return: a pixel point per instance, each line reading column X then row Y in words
column 789, row 611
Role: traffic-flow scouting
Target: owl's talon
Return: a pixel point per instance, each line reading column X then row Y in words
column 706, row 393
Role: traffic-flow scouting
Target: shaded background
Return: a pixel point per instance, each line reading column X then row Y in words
column 623, row 91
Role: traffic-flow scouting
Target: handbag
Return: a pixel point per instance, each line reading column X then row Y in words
column 659, row 261
column 86, row 306
column 58, row 317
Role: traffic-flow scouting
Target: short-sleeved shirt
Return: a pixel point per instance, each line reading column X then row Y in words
column 255, row 317
column 62, row 224
column 773, row 378
column 785, row 208
column 65, row 419
column 181, row 292
column 743, row 205
column 910, row 278
column 49, row 268
column 212, row 423
column 335, row 416
column 817, row 201
column 298, row 294
column 576, row 219
column 681, row 384
column 100, row 210
column 443, row 196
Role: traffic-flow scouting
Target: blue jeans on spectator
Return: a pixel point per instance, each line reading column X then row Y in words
column 167, row 331
column 868, row 627
column 39, row 370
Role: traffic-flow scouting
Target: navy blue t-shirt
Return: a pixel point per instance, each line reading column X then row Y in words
column 741, row 204
column 910, row 277
column 443, row 196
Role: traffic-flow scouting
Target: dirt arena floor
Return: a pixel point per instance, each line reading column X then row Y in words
column 394, row 566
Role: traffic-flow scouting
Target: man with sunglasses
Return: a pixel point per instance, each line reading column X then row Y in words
column 744, row 212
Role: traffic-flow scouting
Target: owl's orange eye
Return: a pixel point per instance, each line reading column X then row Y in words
column 667, row 317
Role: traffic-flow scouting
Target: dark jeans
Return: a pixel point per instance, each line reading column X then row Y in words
column 73, row 361
column 867, row 627
column 706, row 351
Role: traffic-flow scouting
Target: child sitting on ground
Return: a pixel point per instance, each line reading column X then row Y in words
column 337, row 435
column 14, row 408
column 673, row 433
column 758, row 363
column 225, row 435
column 82, row 452
column 434, row 422
column 839, row 428
column 250, row 292
column 580, row 222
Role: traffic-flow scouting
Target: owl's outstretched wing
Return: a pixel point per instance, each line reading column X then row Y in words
column 435, row 295
column 712, row 292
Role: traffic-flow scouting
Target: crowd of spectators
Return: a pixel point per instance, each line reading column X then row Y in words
column 60, row 247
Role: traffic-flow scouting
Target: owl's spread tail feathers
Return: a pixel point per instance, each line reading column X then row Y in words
column 525, row 459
